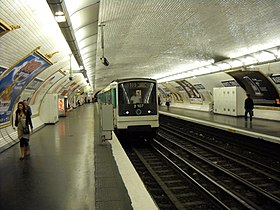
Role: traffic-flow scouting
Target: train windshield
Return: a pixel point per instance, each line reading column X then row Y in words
column 137, row 93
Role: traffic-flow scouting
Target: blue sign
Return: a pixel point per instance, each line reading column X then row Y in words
column 16, row 79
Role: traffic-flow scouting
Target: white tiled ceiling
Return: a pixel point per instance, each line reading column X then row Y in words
column 145, row 38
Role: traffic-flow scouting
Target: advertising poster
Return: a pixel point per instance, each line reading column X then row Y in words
column 179, row 88
column 230, row 83
column 61, row 104
column 191, row 91
column 34, row 84
column 261, row 89
column 64, row 89
column 16, row 79
column 173, row 92
column 276, row 79
column 162, row 92
column 4, row 27
column 64, row 92
column 58, row 85
column 48, row 83
column 2, row 69
column 199, row 86
column 74, row 88
column 63, row 86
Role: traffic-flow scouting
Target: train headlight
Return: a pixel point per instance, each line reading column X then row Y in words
column 149, row 111
column 127, row 112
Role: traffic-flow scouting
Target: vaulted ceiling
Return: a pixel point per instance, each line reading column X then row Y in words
column 142, row 38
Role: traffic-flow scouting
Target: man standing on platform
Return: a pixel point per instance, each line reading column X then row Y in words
column 28, row 111
column 249, row 106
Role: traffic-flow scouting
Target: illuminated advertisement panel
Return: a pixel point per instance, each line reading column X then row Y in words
column 16, row 79
column 61, row 104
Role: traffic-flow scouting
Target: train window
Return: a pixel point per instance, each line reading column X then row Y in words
column 137, row 92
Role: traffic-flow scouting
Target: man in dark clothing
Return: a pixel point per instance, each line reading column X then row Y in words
column 249, row 106
column 28, row 112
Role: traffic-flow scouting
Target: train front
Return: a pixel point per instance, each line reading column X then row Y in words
column 137, row 106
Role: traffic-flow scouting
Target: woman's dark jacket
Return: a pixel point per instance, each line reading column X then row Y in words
column 28, row 118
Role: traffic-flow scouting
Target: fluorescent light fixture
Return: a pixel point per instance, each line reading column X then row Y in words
column 248, row 60
column 174, row 77
column 234, row 63
column 183, row 68
column 223, row 66
column 60, row 18
column 202, row 70
column 264, row 56
column 59, row 13
column 275, row 51
column 271, row 54
column 256, row 48
column 213, row 68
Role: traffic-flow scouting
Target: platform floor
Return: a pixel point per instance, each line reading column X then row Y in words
column 69, row 168
column 264, row 129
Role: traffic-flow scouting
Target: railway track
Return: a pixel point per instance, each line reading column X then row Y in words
column 185, row 171
column 260, row 151
column 170, row 188
column 255, row 188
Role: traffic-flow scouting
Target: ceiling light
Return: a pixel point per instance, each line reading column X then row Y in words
column 223, row 66
column 248, row 60
column 184, row 68
column 59, row 13
column 213, row 68
column 265, row 56
column 235, row 63
column 203, row 70
column 275, row 51
column 60, row 18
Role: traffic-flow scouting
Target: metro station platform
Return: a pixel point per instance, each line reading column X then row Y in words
column 259, row 128
column 70, row 168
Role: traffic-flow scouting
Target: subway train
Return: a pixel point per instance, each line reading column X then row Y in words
column 135, row 105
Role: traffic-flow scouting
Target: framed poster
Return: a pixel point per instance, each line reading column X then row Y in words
column 261, row 89
column 2, row 70
column 16, row 79
column 5, row 28
column 193, row 94
column 230, row 83
column 276, row 79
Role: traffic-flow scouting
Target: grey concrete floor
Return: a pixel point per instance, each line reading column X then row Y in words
column 59, row 174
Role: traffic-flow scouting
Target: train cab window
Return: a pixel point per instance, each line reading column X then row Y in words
column 137, row 92
column 136, row 98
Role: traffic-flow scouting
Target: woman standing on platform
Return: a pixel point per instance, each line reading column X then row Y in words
column 22, row 121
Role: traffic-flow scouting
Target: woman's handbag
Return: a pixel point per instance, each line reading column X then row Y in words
column 25, row 130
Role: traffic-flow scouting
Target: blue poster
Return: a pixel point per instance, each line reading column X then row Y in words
column 16, row 79
column 2, row 71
